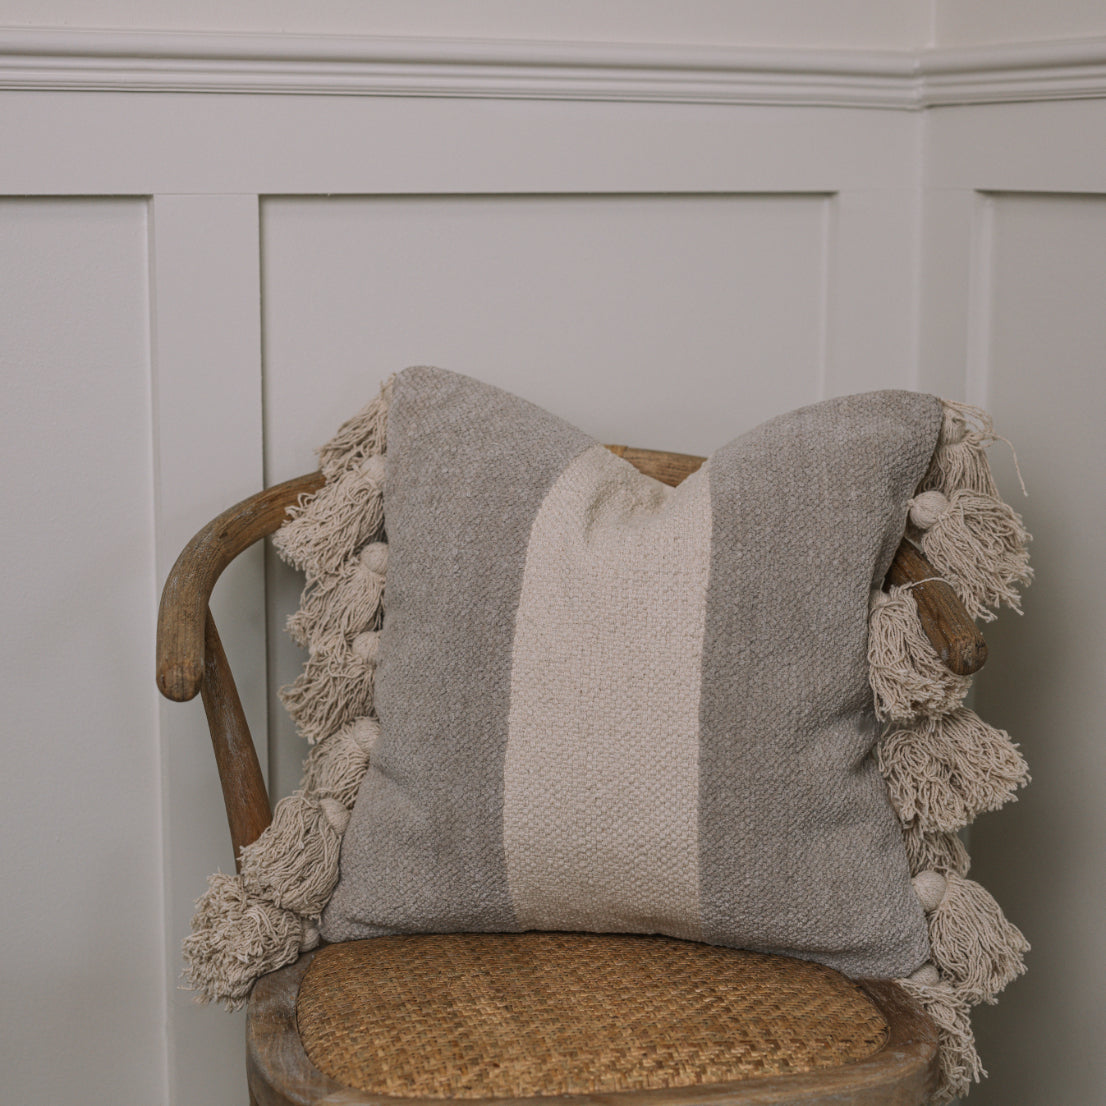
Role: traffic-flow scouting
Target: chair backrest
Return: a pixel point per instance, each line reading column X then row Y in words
column 190, row 657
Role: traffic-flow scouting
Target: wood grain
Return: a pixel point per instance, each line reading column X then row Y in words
column 946, row 623
column 184, row 600
column 244, row 793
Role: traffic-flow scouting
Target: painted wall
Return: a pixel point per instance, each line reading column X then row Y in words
column 196, row 288
column 853, row 24
column 980, row 22
column 83, row 979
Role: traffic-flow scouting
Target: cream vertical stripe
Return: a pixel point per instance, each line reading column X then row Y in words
column 601, row 780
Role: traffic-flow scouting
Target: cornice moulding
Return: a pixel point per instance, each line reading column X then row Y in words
column 136, row 61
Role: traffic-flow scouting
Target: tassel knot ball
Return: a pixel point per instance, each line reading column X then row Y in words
column 927, row 508
column 334, row 769
column 375, row 557
column 927, row 975
column 366, row 647
column 930, row 887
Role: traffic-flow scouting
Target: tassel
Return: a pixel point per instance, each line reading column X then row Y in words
column 294, row 863
column 960, row 459
column 978, row 543
column 905, row 672
column 335, row 687
column 938, row 852
column 959, row 1061
column 975, row 947
column 343, row 604
column 335, row 768
column 325, row 529
column 235, row 939
column 941, row 772
column 359, row 437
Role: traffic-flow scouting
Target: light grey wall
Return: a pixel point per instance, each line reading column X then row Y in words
column 82, row 979
column 1044, row 857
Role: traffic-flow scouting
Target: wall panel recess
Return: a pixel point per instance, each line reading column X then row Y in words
column 1043, row 859
column 82, row 986
column 672, row 321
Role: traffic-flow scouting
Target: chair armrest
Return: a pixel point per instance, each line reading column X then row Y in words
column 184, row 600
column 190, row 656
column 945, row 622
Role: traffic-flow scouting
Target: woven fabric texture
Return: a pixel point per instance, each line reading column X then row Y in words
column 483, row 1016
column 610, row 705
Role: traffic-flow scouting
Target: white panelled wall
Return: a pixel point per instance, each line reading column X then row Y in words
column 213, row 246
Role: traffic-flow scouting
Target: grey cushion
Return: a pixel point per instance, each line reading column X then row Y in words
column 610, row 705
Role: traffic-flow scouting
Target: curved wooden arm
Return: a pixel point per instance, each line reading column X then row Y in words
column 190, row 657
column 184, row 600
column 946, row 623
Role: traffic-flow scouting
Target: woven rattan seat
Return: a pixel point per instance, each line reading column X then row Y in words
column 522, row 1015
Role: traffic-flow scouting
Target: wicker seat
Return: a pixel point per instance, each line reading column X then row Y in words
column 513, row 1017
column 524, row 1015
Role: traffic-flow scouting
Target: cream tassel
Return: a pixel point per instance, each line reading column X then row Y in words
column 975, row 947
column 978, row 543
column 905, row 672
column 941, row 772
column 335, row 767
column 326, row 528
column 343, row 604
column 236, row 938
column 335, row 687
column 358, row 437
column 939, row 852
column 951, row 1013
column 960, row 459
column 294, row 863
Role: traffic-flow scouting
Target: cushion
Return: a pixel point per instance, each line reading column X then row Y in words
column 610, row 705
column 548, row 692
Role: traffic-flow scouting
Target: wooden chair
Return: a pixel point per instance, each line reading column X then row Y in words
column 526, row 1017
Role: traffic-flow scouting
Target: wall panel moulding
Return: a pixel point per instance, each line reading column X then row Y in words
column 73, row 60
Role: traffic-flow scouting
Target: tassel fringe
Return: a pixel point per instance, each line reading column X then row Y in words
column 294, row 863
column 237, row 937
column 334, row 688
column 941, row 772
column 343, row 604
column 942, row 764
column 251, row 924
column 951, row 1013
column 335, row 768
column 328, row 527
column 960, row 459
column 978, row 543
column 973, row 945
column 906, row 674
column 935, row 852
column 362, row 436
